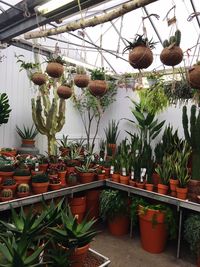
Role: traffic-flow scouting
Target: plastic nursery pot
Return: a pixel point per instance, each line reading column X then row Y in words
column 115, row 177
column 22, row 179
column 78, row 256
column 119, row 225
column 55, row 186
column 92, row 203
column 153, row 236
column 181, row 193
column 40, row 188
column 149, row 187
column 78, row 207
column 124, row 179
column 62, row 176
column 86, row 177
column 163, row 189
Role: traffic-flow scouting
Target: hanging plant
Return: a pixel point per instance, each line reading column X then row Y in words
column 194, row 76
column 64, row 91
column 39, row 78
column 55, row 67
column 172, row 54
column 140, row 54
column 81, row 79
column 98, row 86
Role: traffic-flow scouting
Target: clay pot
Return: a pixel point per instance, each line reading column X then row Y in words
column 113, row 148
column 43, row 167
column 193, row 190
column 55, row 186
column 181, row 193
column 78, row 207
column 86, row 177
column 92, row 203
column 22, row 179
column 140, row 185
column 5, row 175
column 36, row 172
column 173, row 183
column 124, row 179
column 62, row 176
column 163, row 189
column 132, row 183
column 156, row 179
column 55, row 69
column 115, row 177
column 171, row 56
column 39, row 78
column 194, row 76
column 40, row 188
column 119, row 226
column 140, row 57
column 107, row 171
column 101, row 176
column 149, row 187
column 22, row 194
column 6, row 199
column 81, row 80
column 11, row 153
column 98, row 87
column 64, row 91
column 28, row 142
column 78, row 256
column 12, row 187
column 153, row 236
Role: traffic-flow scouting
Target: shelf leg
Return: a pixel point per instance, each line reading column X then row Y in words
column 179, row 233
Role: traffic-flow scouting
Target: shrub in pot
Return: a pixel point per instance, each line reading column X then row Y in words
column 54, row 183
column 27, row 135
column 112, row 133
column 86, row 173
column 165, row 173
column 40, row 183
column 114, row 208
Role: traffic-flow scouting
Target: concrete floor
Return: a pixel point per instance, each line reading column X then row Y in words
column 127, row 252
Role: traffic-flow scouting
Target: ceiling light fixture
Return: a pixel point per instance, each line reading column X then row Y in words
column 51, row 6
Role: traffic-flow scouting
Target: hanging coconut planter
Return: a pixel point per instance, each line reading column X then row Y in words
column 140, row 52
column 81, row 79
column 55, row 67
column 194, row 76
column 64, row 91
column 39, row 78
column 98, row 86
column 172, row 54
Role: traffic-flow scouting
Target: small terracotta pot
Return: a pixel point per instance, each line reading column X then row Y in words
column 55, row 186
column 62, row 176
column 86, row 177
column 107, row 171
column 43, row 167
column 155, row 179
column 5, row 175
column 22, row 194
column 163, row 189
column 119, row 225
column 78, row 256
column 40, row 188
column 140, row 185
column 101, row 176
column 12, row 187
column 149, row 187
column 115, row 177
column 181, row 193
column 6, row 199
column 173, row 183
column 22, row 179
column 124, row 179
column 55, row 69
column 132, row 183
column 78, row 207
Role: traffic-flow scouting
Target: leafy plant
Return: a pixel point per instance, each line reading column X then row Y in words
column 57, row 59
column 113, row 203
column 26, row 132
column 26, row 65
column 64, row 141
column 40, row 178
column 165, row 170
column 86, row 166
column 4, row 108
column 58, row 257
column 112, row 132
column 139, row 40
column 98, row 74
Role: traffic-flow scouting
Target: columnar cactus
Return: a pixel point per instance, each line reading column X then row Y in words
column 193, row 138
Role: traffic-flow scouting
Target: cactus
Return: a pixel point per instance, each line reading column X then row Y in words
column 172, row 40
column 165, row 43
column 178, row 37
column 9, row 181
column 6, row 193
column 80, row 70
column 23, row 188
column 192, row 136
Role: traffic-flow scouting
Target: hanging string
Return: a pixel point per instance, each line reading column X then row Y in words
column 171, row 20
column 26, row 14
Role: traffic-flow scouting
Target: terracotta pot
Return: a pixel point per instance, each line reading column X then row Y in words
column 140, row 185
column 62, row 176
column 113, row 148
column 11, row 153
column 163, row 189
column 55, row 186
column 171, row 56
column 43, row 167
column 194, row 76
column 97, row 87
column 149, row 187
column 81, row 80
column 5, row 175
column 193, row 190
column 86, row 177
column 64, row 92
column 155, row 179
column 132, row 183
column 140, row 57
column 173, row 183
column 70, row 169
column 12, row 187
column 101, row 176
column 22, row 179
column 107, row 171
column 78, row 207
column 119, row 225
column 6, row 199
column 92, row 203
column 28, row 142
column 36, row 172
column 115, row 177
column 40, row 188
column 55, row 69
column 22, row 194
column 181, row 193
column 124, row 179
column 198, row 261
column 153, row 236
column 39, row 78
column 78, row 256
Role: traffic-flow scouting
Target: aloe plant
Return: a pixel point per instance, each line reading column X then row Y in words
column 26, row 132
column 4, row 108
column 112, row 132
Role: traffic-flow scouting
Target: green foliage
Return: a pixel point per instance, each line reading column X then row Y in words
column 57, row 59
column 173, row 40
column 26, row 132
column 112, row 204
column 40, row 178
column 112, row 132
column 192, row 233
column 165, row 170
column 26, row 65
column 4, row 108
column 64, row 141
column 58, row 257
column 98, row 74
column 22, row 172
column 85, row 168
column 139, row 40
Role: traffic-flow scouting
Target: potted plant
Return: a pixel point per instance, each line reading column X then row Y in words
column 9, row 183
column 72, row 179
column 23, row 190
column 140, row 54
column 6, row 169
column 62, row 173
column 172, row 54
column 64, row 146
column 64, row 91
column 115, row 209
column 112, row 133
column 43, row 163
column 102, row 148
column 73, row 158
column 81, row 79
column 97, row 85
column 127, row 80
column 55, row 67
column 193, row 76
column 6, row 195
column 27, row 135
column 22, row 176
column 192, row 234
column 5, row 108
column 40, row 183
column 86, row 173
column 9, row 152
column 77, row 206
column 153, row 78
column 101, row 174
column 165, row 173
column 55, row 183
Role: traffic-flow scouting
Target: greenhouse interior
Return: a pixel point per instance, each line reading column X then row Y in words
column 98, row 133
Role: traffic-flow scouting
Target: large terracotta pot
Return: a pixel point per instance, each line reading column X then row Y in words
column 81, row 80
column 53, row 187
column 97, row 87
column 140, row 57
column 78, row 256
column 55, row 69
column 119, row 225
column 153, row 235
column 181, row 193
column 40, row 188
column 86, row 177
column 78, row 207
column 140, row 185
column 171, row 56
column 193, row 190
column 5, row 175
column 163, row 189
column 22, row 194
column 101, row 176
column 28, row 142
column 22, row 179
column 92, row 203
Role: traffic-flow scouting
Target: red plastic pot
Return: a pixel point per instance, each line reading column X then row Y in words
column 119, row 225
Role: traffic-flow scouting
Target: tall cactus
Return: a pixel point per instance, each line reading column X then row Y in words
column 48, row 116
column 192, row 136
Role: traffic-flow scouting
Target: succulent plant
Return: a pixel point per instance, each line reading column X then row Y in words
column 139, row 40
column 27, row 133
column 9, row 181
column 23, row 188
column 7, row 168
column 22, row 172
column 173, row 40
column 80, row 70
column 40, row 178
column 4, row 108
column 7, row 193
column 57, row 59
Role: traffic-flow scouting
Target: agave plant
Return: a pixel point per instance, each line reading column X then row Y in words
column 112, row 132
column 139, row 40
column 4, row 108
column 27, row 133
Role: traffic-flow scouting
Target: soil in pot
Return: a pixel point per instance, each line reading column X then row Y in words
column 119, row 226
column 173, row 183
column 40, row 188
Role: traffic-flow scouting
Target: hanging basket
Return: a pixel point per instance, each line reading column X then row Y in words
column 194, row 76
column 54, row 69
column 64, row 92
column 81, row 80
column 39, row 78
column 171, row 56
column 140, row 57
column 98, row 87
